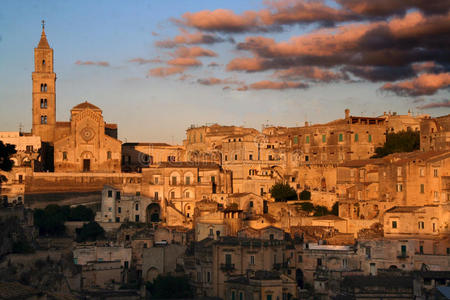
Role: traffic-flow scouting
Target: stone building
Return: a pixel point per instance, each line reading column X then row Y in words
column 435, row 133
column 84, row 144
column 136, row 156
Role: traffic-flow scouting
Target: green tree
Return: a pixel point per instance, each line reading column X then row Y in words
column 335, row 209
column 170, row 287
column 307, row 206
column 305, row 195
column 81, row 213
column 6, row 151
column 321, row 210
column 283, row 192
column 50, row 220
column 91, row 231
column 403, row 141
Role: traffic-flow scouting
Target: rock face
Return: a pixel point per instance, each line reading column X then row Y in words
column 18, row 233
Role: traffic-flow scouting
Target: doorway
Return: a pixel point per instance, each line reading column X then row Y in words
column 86, row 165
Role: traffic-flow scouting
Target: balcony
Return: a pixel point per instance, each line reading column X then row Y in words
column 227, row 267
column 402, row 255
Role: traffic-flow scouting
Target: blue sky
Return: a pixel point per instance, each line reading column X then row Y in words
column 149, row 108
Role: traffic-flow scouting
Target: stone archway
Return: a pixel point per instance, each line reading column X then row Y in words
column 152, row 273
column 153, row 213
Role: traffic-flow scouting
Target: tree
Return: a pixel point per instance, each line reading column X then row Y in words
column 81, row 213
column 170, row 287
column 320, row 210
column 283, row 192
column 90, row 232
column 6, row 151
column 403, row 141
column 50, row 220
column 335, row 209
column 307, row 206
column 305, row 195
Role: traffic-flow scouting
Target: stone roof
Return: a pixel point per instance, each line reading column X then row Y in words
column 146, row 144
column 15, row 290
column 188, row 164
column 43, row 43
column 387, row 282
column 403, row 209
column 85, row 105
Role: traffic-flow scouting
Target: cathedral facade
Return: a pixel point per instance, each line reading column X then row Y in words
column 84, row 144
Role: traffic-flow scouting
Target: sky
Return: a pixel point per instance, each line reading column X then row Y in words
column 157, row 67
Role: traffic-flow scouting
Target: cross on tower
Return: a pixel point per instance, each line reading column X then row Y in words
column 43, row 24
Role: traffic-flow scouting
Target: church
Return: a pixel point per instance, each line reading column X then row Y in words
column 86, row 143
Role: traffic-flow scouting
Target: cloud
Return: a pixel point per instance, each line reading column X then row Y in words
column 385, row 8
column 193, row 52
column 273, row 85
column 186, row 38
column 92, row 63
column 155, row 33
column 165, row 71
column 142, row 61
column 311, row 73
column 249, row 64
column 427, row 66
column 216, row 81
column 424, row 84
column 438, row 104
column 184, row 61
column 381, row 73
column 213, row 64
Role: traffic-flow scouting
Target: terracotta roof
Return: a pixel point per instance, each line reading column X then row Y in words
column 43, row 43
column 85, row 105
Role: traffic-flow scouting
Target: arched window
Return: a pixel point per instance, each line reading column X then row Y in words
column 43, row 119
column 45, row 87
column 42, row 87
column 43, row 62
column 108, row 155
column 43, row 103
column 64, row 155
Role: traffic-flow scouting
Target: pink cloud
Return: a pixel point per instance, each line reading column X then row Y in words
column 424, row 84
column 92, row 63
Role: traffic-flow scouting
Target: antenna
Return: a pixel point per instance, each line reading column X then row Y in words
column 20, row 127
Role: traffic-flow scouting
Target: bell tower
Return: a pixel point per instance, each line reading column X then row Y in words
column 44, row 97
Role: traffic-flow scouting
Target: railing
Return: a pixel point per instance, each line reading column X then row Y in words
column 227, row 267
column 402, row 255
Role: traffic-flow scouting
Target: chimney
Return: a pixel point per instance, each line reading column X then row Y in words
column 347, row 113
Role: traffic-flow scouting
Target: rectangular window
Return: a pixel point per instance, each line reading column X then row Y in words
column 250, row 157
column 136, row 218
column 403, row 248
column 241, row 296
column 356, row 137
column 213, row 179
column 324, row 138
column 64, row 155
column 187, row 180
column 233, row 295
column 319, row 261
column 235, row 157
column 399, row 187
column 341, row 137
column 119, row 209
column 137, row 206
column 300, row 258
column 394, row 224
column 156, row 196
column 435, row 172
column 370, row 138
column 108, row 155
column 295, row 140
column 109, row 194
column 436, row 196
column 174, row 180
column 421, row 225
column 156, row 180
column 307, row 139
column 421, row 249
column 252, row 259
column 228, row 259
column 421, row 172
column 422, row 188
column 399, row 171
column 269, row 297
